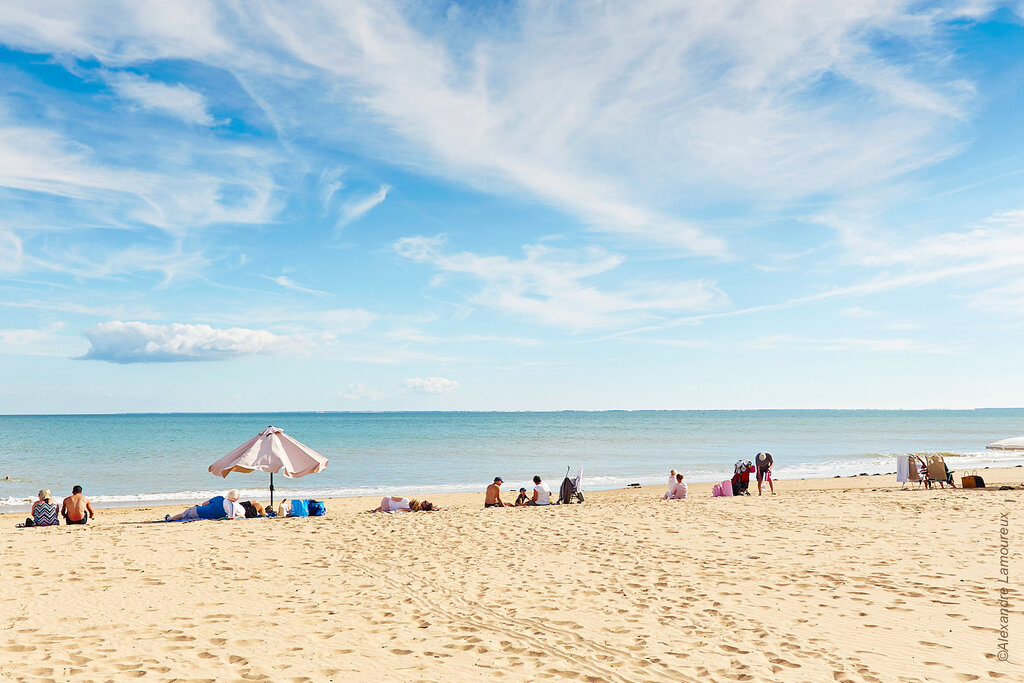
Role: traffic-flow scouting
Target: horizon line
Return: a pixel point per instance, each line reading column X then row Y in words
column 479, row 412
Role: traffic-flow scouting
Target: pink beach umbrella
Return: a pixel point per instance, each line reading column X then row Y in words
column 271, row 451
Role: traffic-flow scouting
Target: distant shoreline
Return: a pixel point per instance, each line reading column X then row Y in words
column 523, row 412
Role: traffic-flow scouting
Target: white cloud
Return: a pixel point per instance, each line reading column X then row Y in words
column 333, row 321
column 609, row 114
column 11, row 252
column 548, row 285
column 172, row 263
column 355, row 209
column 136, row 342
column 28, row 337
column 430, row 385
column 178, row 101
column 178, row 198
column 288, row 283
column 330, row 184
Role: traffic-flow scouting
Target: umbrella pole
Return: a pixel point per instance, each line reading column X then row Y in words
column 271, row 490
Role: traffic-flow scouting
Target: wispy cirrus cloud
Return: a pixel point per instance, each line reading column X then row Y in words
column 176, row 100
column 288, row 283
column 550, row 285
column 137, row 342
column 693, row 99
column 37, row 160
column 357, row 207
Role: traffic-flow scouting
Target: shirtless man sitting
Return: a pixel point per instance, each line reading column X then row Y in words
column 76, row 508
column 492, row 497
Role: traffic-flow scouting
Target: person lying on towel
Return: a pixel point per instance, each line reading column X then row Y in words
column 218, row 507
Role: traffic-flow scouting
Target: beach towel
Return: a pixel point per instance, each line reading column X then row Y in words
column 902, row 468
column 300, row 508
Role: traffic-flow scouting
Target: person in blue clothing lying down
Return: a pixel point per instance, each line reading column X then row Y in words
column 218, row 507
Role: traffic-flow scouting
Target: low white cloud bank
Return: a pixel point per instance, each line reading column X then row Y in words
column 136, row 342
column 178, row 101
column 430, row 385
column 549, row 285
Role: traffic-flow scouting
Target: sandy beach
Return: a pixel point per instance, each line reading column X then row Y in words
column 831, row 580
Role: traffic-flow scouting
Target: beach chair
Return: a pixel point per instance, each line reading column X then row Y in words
column 572, row 489
column 938, row 472
column 913, row 472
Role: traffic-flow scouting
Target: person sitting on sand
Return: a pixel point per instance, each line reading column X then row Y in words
column 679, row 489
column 541, row 493
column 400, row 504
column 76, row 508
column 764, row 462
column 492, row 496
column 671, row 483
column 218, row 507
column 253, row 509
column 44, row 512
column 523, row 499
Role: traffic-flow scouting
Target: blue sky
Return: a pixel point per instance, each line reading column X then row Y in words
column 502, row 206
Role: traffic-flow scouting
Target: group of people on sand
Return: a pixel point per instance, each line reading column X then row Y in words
column 228, row 507
column 218, row 507
column 541, row 495
column 762, row 465
column 75, row 509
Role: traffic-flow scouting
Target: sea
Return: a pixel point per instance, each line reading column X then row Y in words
column 151, row 459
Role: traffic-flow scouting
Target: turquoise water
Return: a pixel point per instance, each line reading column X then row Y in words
column 124, row 459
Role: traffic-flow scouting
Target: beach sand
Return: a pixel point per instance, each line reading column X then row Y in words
column 831, row 580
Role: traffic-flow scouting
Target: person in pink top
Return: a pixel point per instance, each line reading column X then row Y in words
column 678, row 490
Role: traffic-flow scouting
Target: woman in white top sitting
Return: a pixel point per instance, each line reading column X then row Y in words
column 541, row 493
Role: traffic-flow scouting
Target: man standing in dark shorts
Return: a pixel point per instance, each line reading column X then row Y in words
column 764, row 462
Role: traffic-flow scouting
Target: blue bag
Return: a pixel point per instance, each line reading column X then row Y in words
column 299, row 508
column 316, row 508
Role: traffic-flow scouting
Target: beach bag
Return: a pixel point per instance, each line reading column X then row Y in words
column 972, row 481
column 299, row 509
column 716, row 490
column 727, row 488
column 316, row 508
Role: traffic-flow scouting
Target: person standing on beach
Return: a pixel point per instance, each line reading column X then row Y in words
column 492, row 497
column 541, row 493
column 764, row 463
column 76, row 508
